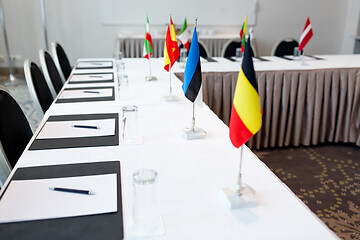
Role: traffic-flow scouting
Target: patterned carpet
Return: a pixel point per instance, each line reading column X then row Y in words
column 326, row 178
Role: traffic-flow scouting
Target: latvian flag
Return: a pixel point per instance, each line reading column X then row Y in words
column 148, row 45
column 171, row 50
column 246, row 112
column 306, row 35
column 192, row 75
column 184, row 35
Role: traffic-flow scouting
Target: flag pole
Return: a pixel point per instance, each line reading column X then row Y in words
column 239, row 178
column 193, row 116
column 170, row 61
column 150, row 77
column 150, row 73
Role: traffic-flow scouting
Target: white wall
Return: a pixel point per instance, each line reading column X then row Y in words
column 76, row 24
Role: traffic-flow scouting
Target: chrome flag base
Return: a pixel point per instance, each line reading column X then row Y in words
column 193, row 133
column 246, row 200
column 13, row 81
column 170, row 98
column 150, row 78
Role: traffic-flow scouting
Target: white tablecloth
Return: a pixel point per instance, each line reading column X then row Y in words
column 191, row 173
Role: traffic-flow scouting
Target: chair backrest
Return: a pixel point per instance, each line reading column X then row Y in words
column 61, row 61
column 50, row 72
column 284, row 47
column 202, row 49
column 229, row 49
column 38, row 88
column 15, row 131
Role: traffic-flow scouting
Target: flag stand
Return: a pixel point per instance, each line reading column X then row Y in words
column 170, row 97
column 193, row 132
column 242, row 196
column 150, row 77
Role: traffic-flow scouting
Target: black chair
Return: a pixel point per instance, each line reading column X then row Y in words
column 38, row 88
column 61, row 61
column 15, row 131
column 284, row 47
column 50, row 72
column 229, row 49
column 202, row 49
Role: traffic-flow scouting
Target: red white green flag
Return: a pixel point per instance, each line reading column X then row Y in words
column 148, row 45
column 184, row 35
column 243, row 35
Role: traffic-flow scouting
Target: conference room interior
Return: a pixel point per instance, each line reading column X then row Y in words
column 308, row 143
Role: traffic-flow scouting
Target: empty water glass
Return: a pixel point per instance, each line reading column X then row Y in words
column 238, row 53
column 296, row 52
column 130, row 133
column 145, row 214
column 123, row 87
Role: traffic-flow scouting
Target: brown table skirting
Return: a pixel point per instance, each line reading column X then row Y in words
column 300, row 107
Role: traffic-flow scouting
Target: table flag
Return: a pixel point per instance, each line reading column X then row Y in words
column 192, row 75
column 245, row 119
column 148, row 45
column 243, row 35
column 306, row 35
column 184, row 35
column 171, row 50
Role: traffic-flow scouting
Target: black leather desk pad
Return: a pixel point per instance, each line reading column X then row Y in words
column 92, row 99
column 91, row 81
column 95, row 67
column 57, row 143
column 100, row 226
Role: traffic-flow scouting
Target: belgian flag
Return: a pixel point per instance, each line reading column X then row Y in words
column 246, row 112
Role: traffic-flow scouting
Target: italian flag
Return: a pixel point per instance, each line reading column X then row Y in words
column 184, row 35
column 148, row 45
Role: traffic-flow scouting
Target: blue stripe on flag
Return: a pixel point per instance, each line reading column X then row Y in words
column 192, row 62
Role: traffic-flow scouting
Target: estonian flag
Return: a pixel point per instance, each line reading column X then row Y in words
column 192, row 76
column 246, row 112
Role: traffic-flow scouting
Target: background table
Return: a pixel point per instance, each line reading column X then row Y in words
column 133, row 46
column 307, row 104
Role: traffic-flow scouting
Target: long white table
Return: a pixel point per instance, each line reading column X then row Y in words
column 191, row 173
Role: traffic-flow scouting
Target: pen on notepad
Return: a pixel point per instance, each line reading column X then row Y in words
column 91, row 91
column 70, row 190
column 85, row 126
column 94, row 76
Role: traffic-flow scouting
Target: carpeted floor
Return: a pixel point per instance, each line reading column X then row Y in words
column 326, row 178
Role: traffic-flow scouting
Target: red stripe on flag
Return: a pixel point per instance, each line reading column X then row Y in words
column 148, row 37
column 307, row 37
column 239, row 133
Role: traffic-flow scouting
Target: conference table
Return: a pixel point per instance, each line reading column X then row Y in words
column 191, row 173
column 305, row 102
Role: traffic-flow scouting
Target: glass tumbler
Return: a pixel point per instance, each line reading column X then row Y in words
column 123, row 87
column 238, row 53
column 130, row 133
column 296, row 52
column 146, row 217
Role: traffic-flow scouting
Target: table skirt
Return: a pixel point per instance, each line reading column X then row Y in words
column 300, row 107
